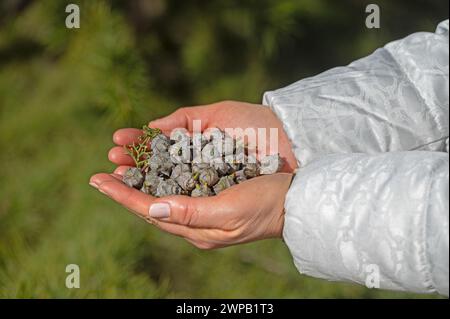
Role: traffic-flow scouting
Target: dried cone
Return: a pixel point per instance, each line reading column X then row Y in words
column 198, row 167
column 179, row 135
column 168, row 187
column 219, row 163
column 224, row 183
column 186, row 181
column 222, row 168
column 160, row 163
column 180, row 152
column 240, row 152
column 228, row 145
column 251, row 170
column 198, row 143
column 235, row 166
column 151, row 183
column 160, row 144
column 239, row 176
column 208, row 176
column 201, row 191
column 270, row 164
column 133, row 177
column 211, row 153
column 179, row 169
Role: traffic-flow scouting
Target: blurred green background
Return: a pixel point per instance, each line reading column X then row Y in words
column 64, row 92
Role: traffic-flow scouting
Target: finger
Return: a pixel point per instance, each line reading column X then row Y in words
column 201, row 244
column 119, row 156
column 205, row 212
column 117, row 176
column 181, row 118
column 126, row 136
column 139, row 202
column 121, row 169
column 130, row 198
column 201, row 238
column 177, row 119
column 180, row 230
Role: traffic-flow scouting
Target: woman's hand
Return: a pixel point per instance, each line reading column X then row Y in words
column 249, row 211
column 227, row 114
column 246, row 212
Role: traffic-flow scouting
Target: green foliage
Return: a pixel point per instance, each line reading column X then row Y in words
column 64, row 92
column 140, row 152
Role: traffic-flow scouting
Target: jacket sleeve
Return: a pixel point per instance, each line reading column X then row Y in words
column 369, row 203
column 380, row 220
column 396, row 99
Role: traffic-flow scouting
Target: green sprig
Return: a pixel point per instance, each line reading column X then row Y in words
column 140, row 152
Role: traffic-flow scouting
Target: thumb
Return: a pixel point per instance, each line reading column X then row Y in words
column 181, row 118
column 177, row 119
column 188, row 211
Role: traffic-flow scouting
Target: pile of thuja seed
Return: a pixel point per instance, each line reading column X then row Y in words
column 198, row 167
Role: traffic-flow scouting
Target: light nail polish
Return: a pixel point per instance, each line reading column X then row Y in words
column 93, row 185
column 159, row 210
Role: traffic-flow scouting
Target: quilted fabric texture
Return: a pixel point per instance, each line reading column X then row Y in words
column 372, row 190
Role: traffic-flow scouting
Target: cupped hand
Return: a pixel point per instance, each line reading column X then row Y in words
column 250, row 211
column 227, row 114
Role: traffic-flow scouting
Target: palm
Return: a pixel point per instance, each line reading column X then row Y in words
column 239, row 214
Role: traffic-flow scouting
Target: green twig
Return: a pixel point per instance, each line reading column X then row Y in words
column 140, row 152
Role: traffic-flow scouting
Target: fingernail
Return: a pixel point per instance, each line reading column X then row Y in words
column 93, row 185
column 159, row 210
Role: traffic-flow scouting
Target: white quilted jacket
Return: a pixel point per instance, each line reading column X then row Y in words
column 370, row 202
